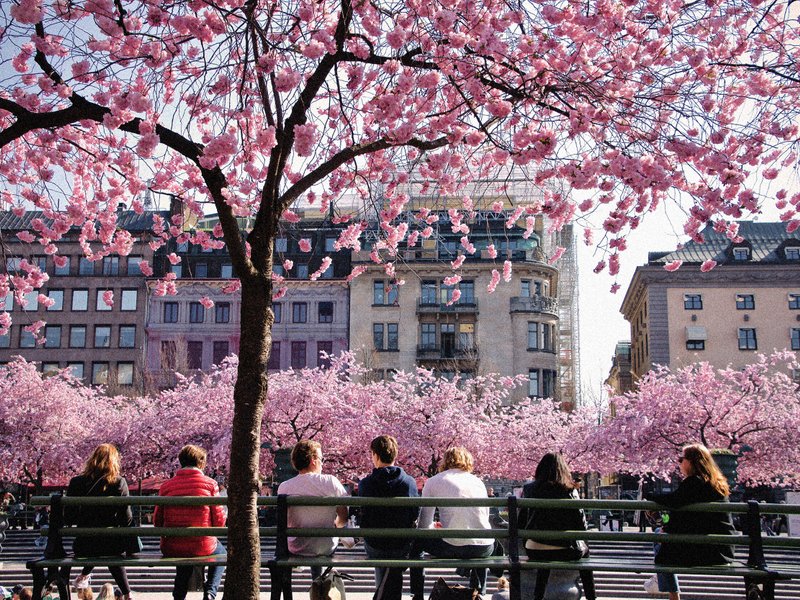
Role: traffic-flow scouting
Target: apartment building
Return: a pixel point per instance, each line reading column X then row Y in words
column 100, row 343
column 748, row 303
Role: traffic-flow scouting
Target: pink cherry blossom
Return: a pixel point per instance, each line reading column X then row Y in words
column 708, row 265
column 207, row 302
column 673, row 265
column 304, row 245
column 108, row 297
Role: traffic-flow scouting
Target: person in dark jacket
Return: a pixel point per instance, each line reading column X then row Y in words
column 703, row 482
column 554, row 481
column 189, row 480
column 388, row 481
column 100, row 477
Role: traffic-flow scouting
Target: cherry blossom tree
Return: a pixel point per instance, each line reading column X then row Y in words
column 49, row 423
column 256, row 105
column 753, row 412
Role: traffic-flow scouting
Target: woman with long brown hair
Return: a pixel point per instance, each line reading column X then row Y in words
column 100, row 477
column 702, row 482
column 553, row 480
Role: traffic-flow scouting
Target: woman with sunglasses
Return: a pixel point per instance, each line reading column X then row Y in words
column 702, row 482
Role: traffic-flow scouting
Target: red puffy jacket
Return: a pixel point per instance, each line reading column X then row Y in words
column 189, row 482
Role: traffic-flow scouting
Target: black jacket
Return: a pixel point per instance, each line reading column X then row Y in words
column 98, row 516
column 388, row 482
column 691, row 490
column 550, row 519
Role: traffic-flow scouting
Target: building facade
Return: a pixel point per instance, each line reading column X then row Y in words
column 101, row 343
column 748, row 303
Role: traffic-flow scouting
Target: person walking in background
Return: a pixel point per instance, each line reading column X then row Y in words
column 189, row 480
column 100, row 477
column 455, row 480
column 106, row 592
column 307, row 459
column 702, row 482
column 554, row 481
column 388, row 481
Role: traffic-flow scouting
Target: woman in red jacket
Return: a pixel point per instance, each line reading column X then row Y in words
column 190, row 481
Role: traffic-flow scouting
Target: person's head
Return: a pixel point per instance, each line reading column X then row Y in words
column 552, row 468
column 696, row 460
column 307, row 456
column 192, row 456
column 458, row 457
column 106, row 592
column 117, row 593
column 15, row 591
column 104, row 463
column 384, row 447
column 26, row 593
column 502, row 583
column 85, row 594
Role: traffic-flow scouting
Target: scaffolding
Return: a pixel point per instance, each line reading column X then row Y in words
column 569, row 329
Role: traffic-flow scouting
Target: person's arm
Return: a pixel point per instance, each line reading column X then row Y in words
column 71, row 513
column 426, row 513
column 687, row 493
column 158, row 511
column 341, row 516
column 124, row 515
column 217, row 510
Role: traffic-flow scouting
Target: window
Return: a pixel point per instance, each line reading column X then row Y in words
column 170, row 312
column 41, row 262
column 26, row 339
column 169, row 355
column 280, row 244
column 695, row 344
column 129, row 300
column 741, row 253
column 50, row 368
column 52, row 336
column 377, row 336
column 329, row 244
column 31, row 301
column 80, row 300
column 792, row 253
column 795, row 337
column 298, row 355
column 222, row 312
column 177, row 270
column 299, row 312
column 301, row 271
column 201, row 270
column 277, row 309
column 274, row 363
column 7, row 303
column 5, row 339
column 63, row 270
column 134, row 265
column 692, row 302
column 467, row 292
column 125, row 373
column 745, row 302
column 85, row 266
column 533, row 336
column 384, row 292
column 549, row 383
column 12, row 264
column 99, row 373
column 58, row 297
column 446, row 293
column 76, row 368
column 747, row 339
column 77, row 336
column 325, row 312
column 220, row 351
column 197, row 312
column 547, row 338
column 428, row 336
column 100, row 304
column 127, row 336
column 327, row 348
column 794, row 301
column 534, row 387
column 392, row 336
column 194, row 354
column 111, row 265
column 102, row 336
column 429, row 292
column 226, row 271
column 525, row 288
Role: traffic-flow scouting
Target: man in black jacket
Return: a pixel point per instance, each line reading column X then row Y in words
column 388, row 481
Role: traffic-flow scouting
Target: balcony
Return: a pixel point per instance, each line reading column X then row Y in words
column 461, row 307
column 535, row 304
column 437, row 353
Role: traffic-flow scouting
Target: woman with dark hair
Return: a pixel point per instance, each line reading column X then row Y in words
column 554, row 481
column 702, row 482
column 100, row 477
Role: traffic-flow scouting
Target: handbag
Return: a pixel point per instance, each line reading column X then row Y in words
column 444, row 591
column 329, row 585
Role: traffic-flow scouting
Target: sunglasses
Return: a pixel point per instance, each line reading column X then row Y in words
column 682, row 458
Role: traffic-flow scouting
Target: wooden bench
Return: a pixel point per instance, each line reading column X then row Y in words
column 755, row 572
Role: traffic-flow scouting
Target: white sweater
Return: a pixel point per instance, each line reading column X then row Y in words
column 455, row 483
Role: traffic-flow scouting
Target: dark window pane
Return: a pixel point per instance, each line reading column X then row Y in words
column 326, row 312
column 222, row 312
column 327, row 348
column 274, row 363
column 194, row 351
column 298, row 355
column 221, row 352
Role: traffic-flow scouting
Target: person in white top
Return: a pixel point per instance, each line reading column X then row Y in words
column 455, row 480
column 307, row 460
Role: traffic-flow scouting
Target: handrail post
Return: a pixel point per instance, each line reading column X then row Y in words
column 755, row 557
column 55, row 540
column 284, row 576
column 515, row 592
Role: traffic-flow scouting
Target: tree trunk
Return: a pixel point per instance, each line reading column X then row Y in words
column 250, row 394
